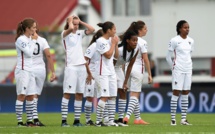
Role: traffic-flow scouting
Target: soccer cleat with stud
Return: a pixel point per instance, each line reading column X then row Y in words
column 77, row 124
column 120, row 122
column 38, row 123
column 112, row 123
column 90, row 123
column 140, row 122
column 30, row 124
column 20, row 124
column 185, row 122
column 65, row 124
column 125, row 120
column 173, row 123
column 100, row 124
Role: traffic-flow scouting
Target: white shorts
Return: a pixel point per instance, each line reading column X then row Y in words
column 106, row 86
column 25, row 81
column 40, row 76
column 120, row 77
column 74, row 79
column 135, row 81
column 181, row 81
column 90, row 90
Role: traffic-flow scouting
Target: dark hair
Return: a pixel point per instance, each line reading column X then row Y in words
column 98, row 34
column 105, row 26
column 135, row 26
column 127, row 35
column 179, row 26
column 67, row 24
column 26, row 23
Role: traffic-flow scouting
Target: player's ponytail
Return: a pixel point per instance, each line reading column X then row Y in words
column 136, row 26
column 105, row 26
column 97, row 35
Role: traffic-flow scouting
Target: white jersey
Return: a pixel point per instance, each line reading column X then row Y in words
column 104, row 66
column 73, row 46
column 40, row 45
column 139, row 63
column 90, row 53
column 182, row 49
column 24, row 48
column 120, row 60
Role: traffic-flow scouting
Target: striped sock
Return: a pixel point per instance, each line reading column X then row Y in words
column 111, row 109
column 77, row 109
column 29, row 109
column 35, row 112
column 100, row 111
column 88, row 110
column 121, row 108
column 173, row 106
column 64, row 108
column 137, row 111
column 19, row 110
column 184, row 106
column 131, row 105
column 105, row 115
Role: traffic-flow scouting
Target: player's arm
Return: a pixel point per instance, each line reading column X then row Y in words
column 25, row 48
column 169, row 58
column 89, row 76
column 50, row 63
column 90, row 29
column 171, row 48
column 116, row 54
column 114, row 42
column 147, row 65
column 128, row 71
column 70, row 28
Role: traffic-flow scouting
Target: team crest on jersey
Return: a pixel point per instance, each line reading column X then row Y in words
column 104, row 90
column 79, row 34
column 189, row 43
column 169, row 44
column 102, row 46
column 70, row 86
column 24, row 88
column 23, row 44
column 88, row 51
column 175, row 82
column 89, row 90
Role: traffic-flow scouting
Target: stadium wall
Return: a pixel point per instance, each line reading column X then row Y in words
column 202, row 99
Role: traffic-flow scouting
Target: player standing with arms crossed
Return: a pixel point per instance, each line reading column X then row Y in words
column 75, row 71
column 182, row 47
column 23, row 72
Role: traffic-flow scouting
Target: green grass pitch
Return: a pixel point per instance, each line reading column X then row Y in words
column 160, row 124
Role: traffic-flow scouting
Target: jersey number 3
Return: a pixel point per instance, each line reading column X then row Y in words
column 38, row 49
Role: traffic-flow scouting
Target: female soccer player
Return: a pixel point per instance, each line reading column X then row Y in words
column 105, row 75
column 181, row 66
column 75, row 70
column 39, row 70
column 23, row 72
column 128, row 51
column 90, row 90
column 137, row 73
